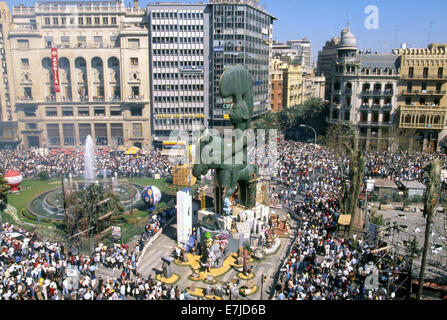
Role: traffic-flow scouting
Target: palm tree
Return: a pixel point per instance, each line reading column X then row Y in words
column 430, row 203
column 356, row 175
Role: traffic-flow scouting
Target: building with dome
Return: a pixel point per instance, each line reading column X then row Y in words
column 362, row 90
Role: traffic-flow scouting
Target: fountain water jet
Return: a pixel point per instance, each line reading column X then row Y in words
column 89, row 161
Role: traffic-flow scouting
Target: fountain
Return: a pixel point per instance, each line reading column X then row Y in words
column 89, row 161
column 51, row 204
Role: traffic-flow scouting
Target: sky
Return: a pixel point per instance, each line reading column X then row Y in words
column 416, row 23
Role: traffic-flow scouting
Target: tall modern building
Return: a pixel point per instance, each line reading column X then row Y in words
column 81, row 69
column 179, row 68
column 190, row 46
column 242, row 33
column 303, row 48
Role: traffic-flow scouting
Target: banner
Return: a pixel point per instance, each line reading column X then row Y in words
column 55, row 69
column 444, row 175
column 116, row 232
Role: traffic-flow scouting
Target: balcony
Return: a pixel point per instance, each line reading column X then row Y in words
column 425, row 78
column 335, row 121
column 423, row 92
column 25, row 98
column 135, row 98
column 423, row 117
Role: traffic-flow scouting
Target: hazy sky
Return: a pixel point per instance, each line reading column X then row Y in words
column 413, row 22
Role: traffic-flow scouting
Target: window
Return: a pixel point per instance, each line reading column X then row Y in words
column 65, row 40
column 80, row 21
column 63, row 20
column 55, row 21
column 97, row 21
column 137, row 130
column 440, row 72
column 114, row 40
column 51, row 111
column 425, row 73
column 411, row 72
column 47, row 21
column 27, row 92
column 136, row 111
column 135, row 92
column 134, row 61
column 67, row 112
column 98, row 41
column 105, row 20
column 25, row 62
column 49, row 41
column 134, row 43
column 88, row 20
column 115, row 111
column 83, row 112
column 23, row 44
column 30, row 112
column 31, row 125
column 113, row 20
column 100, row 111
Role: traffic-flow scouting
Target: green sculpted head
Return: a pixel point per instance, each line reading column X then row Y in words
column 237, row 83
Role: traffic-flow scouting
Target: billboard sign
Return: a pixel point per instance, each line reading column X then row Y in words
column 55, row 70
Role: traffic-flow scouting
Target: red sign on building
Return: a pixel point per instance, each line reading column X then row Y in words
column 55, row 69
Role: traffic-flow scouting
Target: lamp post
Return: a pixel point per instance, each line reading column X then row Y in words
column 315, row 148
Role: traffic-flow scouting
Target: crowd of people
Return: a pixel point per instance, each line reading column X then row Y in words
column 321, row 265
column 31, row 162
column 36, row 269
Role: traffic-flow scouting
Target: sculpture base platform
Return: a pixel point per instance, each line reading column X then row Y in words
column 244, row 227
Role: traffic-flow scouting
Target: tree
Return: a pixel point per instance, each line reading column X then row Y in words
column 433, row 176
column 83, row 211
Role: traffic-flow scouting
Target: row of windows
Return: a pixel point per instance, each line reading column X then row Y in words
column 179, row 99
column 185, row 75
column 175, row 27
column 174, row 87
column 81, row 41
column 171, row 52
column 85, row 111
column 179, row 15
column 171, row 40
column 422, row 101
column 177, row 110
column 175, row 64
column 55, row 21
column 160, row 122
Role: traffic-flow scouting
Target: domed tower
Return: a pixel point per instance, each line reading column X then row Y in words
column 344, row 70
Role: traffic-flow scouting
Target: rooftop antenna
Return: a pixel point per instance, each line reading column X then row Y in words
column 348, row 24
column 395, row 38
column 429, row 32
